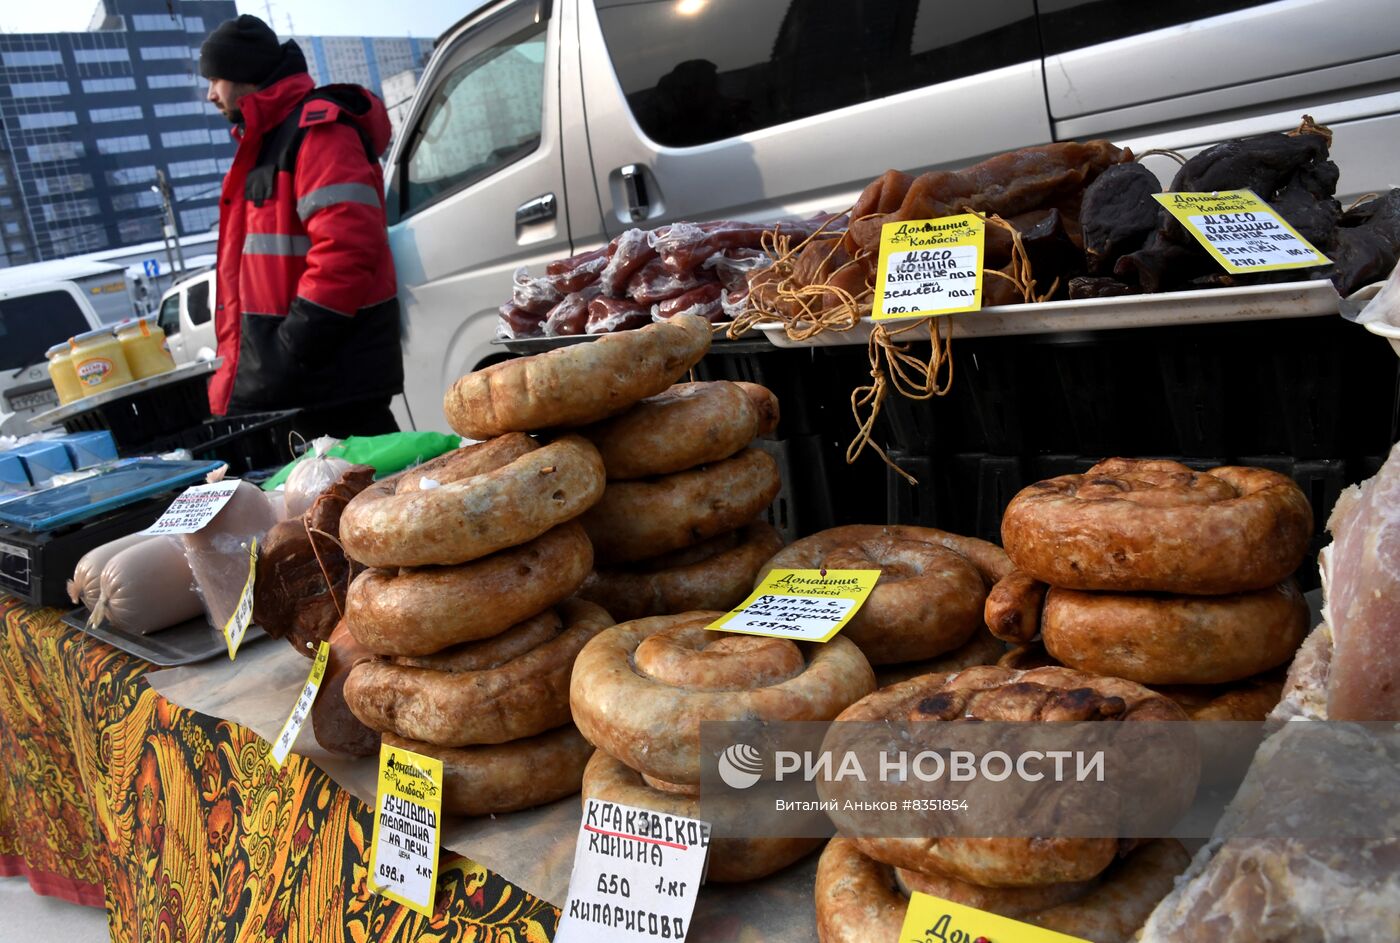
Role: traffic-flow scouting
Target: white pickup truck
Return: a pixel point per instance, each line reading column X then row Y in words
column 187, row 317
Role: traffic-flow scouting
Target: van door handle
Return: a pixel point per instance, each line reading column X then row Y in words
column 538, row 210
column 634, row 186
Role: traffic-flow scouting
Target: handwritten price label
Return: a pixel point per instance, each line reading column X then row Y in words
column 237, row 625
column 935, row 920
column 1241, row 231
column 802, row 605
column 636, row 875
column 407, row 818
column 930, row 266
column 282, row 746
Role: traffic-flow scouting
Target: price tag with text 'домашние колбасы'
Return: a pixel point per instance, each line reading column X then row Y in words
column 1241, row 231
column 801, row 605
column 404, row 847
column 935, row 920
column 930, row 266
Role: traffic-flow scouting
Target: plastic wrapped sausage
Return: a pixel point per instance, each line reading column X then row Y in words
column 630, row 251
column 312, row 476
column 655, row 282
column 702, row 302
column 570, row 316
column 84, row 587
column 218, row 554
column 148, row 587
column 534, row 295
column 609, row 315
column 577, row 271
column 517, row 322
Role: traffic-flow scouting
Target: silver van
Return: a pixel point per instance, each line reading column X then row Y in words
column 543, row 128
column 34, row 318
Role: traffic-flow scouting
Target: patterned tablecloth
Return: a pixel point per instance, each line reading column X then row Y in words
column 179, row 823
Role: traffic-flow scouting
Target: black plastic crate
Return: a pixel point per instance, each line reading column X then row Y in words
column 803, row 505
column 141, row 419
column 1193, row 374
column 919, row 504
column 988, row 483
column 247, row 443
column 788, row 374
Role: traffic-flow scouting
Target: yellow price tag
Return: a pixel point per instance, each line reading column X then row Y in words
column 802, row 605
column 237, row 625
column 930, row 266
column 935, row 920
column 1241, row 231
column 282, row 746
column 404, row 847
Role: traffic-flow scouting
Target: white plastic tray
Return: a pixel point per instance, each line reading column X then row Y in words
column 1203, row 306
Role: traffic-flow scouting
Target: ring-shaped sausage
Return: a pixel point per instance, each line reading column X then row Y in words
column 576, row 385
column 931, row 592
column 505, row 695
column 507, row 777
column 994, row 693
column 1175, row 639
column 422, row 610
column 859, row 899
column 1131, row 525
column 983, row 648
column 640, row 519
column 1251, row 699
column 731, row 859
column 505, row 505
column 641, row 689
column 687, row 425
column 715, row 574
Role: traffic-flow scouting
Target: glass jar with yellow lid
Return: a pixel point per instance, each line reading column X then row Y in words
column 98, row 361
column 143, row 343
column 63, row 375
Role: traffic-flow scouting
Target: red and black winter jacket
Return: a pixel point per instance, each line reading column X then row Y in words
column 307, row 309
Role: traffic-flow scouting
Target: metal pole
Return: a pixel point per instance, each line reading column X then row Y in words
column 170, row 216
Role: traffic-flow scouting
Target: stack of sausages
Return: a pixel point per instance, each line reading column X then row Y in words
column 464, row 620
column 1097, row 888
column 1150, row 571
column 678, row 527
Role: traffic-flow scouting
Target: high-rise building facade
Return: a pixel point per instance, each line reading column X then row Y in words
column 87, row 119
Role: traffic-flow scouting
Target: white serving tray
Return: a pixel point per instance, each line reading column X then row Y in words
column 1202, row 306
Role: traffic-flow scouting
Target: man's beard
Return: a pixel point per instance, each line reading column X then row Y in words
column 234, row 115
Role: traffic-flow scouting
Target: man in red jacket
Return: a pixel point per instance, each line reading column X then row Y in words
column 308, row 313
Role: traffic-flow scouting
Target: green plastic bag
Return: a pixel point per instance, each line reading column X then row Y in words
column 386, row 454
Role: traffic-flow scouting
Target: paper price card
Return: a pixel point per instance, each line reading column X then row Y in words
column 1241, row 231
column 930, row 266
column 194, row 508
column 403, row 859
column 636, row 875
column 237, row 625
column 935, row 920
column 802, row 605
column 302, row 709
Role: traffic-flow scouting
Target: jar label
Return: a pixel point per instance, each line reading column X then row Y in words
column 92, row 372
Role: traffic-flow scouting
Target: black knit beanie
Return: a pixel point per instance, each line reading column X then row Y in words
column 241, row 50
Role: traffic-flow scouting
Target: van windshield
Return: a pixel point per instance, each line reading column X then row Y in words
column 31, row 324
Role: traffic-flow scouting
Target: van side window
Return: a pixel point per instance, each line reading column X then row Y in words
column 169, row 319
column 199, row 302
column 485, row 113
column 1073, row 24
column 31, row 324
column 700, row 72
